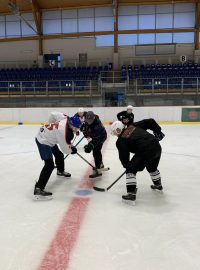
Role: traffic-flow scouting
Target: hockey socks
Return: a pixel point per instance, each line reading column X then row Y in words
column 156, row 179
column 131, row 183
column 131, row 186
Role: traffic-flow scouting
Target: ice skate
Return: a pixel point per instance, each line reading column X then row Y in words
column 95, row 174
column 103, row 168
column 65, row 174
column 129, row 198
column 157, row 187
column 42, row 195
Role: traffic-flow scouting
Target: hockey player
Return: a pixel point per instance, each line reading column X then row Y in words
column 81, row 114
column 126, row 117
column 49, row 135
column 96, row 133
column 135, row 139
column 55, row 117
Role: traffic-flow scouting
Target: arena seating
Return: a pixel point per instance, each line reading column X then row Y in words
column 38, row 74
column 162, row 76
column 165, row 76
column 35, row 78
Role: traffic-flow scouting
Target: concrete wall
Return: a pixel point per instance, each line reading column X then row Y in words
column 71, row 47
column 172, row 114
column 19, row 50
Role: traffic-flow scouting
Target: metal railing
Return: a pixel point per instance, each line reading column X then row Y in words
column 169, row 85
column 47, row 88
column 112, row 80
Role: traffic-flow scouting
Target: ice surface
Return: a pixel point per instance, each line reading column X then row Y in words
column 161, row 232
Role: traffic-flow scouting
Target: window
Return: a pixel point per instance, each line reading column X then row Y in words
column 184, row 20
column 51, row 26
column 26, row 30
column 69, row 25
column 128, row 10
column 103, row 12
column 2, row 29
column 164, row 21
column 86, row 13
column 185, row 7
column 104, row 24
column 147, row 9
column 69, row 14
column 102, row 41
column 13, row 29
column 51, row 15
column 164, row 38
column 86, row 25
column 146, row 38
column 147, row 22
column 165, row 8
column 128, row 22
column 183, row 38
column 124, row 40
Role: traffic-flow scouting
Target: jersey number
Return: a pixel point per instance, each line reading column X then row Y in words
column 49, row 127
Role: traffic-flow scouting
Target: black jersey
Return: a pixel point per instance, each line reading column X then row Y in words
column 135, row 139
column 96, row 131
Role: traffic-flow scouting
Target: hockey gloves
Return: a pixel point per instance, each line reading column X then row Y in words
column 159, row 135
column 74, row 150
column 84, row 129
column 89, row 147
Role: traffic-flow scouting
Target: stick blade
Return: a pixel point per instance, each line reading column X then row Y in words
column 99, row 189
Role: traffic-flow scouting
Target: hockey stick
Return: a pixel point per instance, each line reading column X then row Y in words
column 94, row 168
column 86, row 161
column 106, row 189
column 75, row 146
column 74, row 139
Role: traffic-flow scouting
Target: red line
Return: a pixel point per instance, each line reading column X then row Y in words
column 59, row 252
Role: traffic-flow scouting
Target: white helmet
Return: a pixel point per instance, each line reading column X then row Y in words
column 129, row 107
column 116, row 127
column 81, row 110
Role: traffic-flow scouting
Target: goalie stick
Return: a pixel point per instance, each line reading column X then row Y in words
column 109, row 187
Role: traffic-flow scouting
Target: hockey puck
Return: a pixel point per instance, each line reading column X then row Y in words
column 83, row 192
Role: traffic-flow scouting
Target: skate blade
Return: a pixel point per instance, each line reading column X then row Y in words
column 96, row 176
column 67, row 176
column 42, row 198
column 129, row 202
column 157, row 190
column 104, row 169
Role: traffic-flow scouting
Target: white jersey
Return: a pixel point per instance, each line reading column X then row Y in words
column 56, row 117
column 55, row 133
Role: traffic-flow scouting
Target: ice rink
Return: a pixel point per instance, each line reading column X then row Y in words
column 96, row 231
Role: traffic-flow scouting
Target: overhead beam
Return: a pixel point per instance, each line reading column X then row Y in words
column 115, row 13
column 38, row 22
column 119, row 32
column 19, row 39
column 120, row 3
column 197, row 25
column 152, row 2
column 99, row 33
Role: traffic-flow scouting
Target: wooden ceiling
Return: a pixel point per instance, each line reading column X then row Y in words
column 25, row 5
